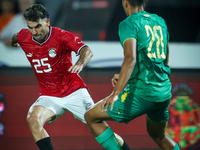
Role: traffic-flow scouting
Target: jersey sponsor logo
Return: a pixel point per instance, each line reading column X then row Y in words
column 29, row 54
column 52, row 52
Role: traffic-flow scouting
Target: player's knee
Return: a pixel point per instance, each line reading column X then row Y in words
column 88, row 117
column 33, row 121
column 157, row 136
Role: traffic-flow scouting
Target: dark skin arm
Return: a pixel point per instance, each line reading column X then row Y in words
column 130, row 47
column 85, row 57
column 14, row 41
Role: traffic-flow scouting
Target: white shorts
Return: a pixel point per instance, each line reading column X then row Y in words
column 77, row 103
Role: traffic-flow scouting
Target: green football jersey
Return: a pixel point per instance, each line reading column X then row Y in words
column 150, row 77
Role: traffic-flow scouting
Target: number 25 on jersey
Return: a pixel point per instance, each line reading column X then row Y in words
column 41, row 62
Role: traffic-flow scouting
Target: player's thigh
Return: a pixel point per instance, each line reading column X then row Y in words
column 157, row 118
column 41, row 113
column 155, row 129
column 77, row 103
column 46, row 108
column 160, row 112
column 95, row 114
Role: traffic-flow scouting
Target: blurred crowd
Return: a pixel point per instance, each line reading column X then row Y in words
column 93, row 20
column 11, row 18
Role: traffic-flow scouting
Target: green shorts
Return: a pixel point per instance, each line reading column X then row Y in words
column 130, row 106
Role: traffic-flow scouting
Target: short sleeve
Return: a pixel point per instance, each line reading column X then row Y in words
column 72, row 42
column 127, row 30
column 21, row 35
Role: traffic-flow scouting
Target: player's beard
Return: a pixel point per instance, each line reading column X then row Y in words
column 40, row 38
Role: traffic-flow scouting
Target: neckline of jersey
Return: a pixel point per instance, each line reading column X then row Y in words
column 50, row 30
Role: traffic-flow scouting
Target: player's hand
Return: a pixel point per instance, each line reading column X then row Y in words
column 15, row 45
column 8, row 42
column 114, row 80
column 14, row 42
column 76, row 69
column 109, row 101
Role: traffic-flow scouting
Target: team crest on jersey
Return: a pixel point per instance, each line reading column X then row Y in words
column 52, row 52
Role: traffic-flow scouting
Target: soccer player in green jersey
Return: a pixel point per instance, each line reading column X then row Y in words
column 145, row 76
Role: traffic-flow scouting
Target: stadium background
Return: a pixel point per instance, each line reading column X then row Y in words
column 96, row 22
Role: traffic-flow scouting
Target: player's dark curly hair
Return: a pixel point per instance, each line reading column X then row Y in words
column 36, row 12
column 136, row 2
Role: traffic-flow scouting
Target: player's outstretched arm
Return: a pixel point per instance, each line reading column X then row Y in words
column 128, row 65
column 14, row 41
column 85, row 57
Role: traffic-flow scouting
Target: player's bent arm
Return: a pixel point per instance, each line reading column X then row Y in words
column 84, row 59
column 127, row 65
column 85, row 56
column 14, row 41
column 167, row 59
